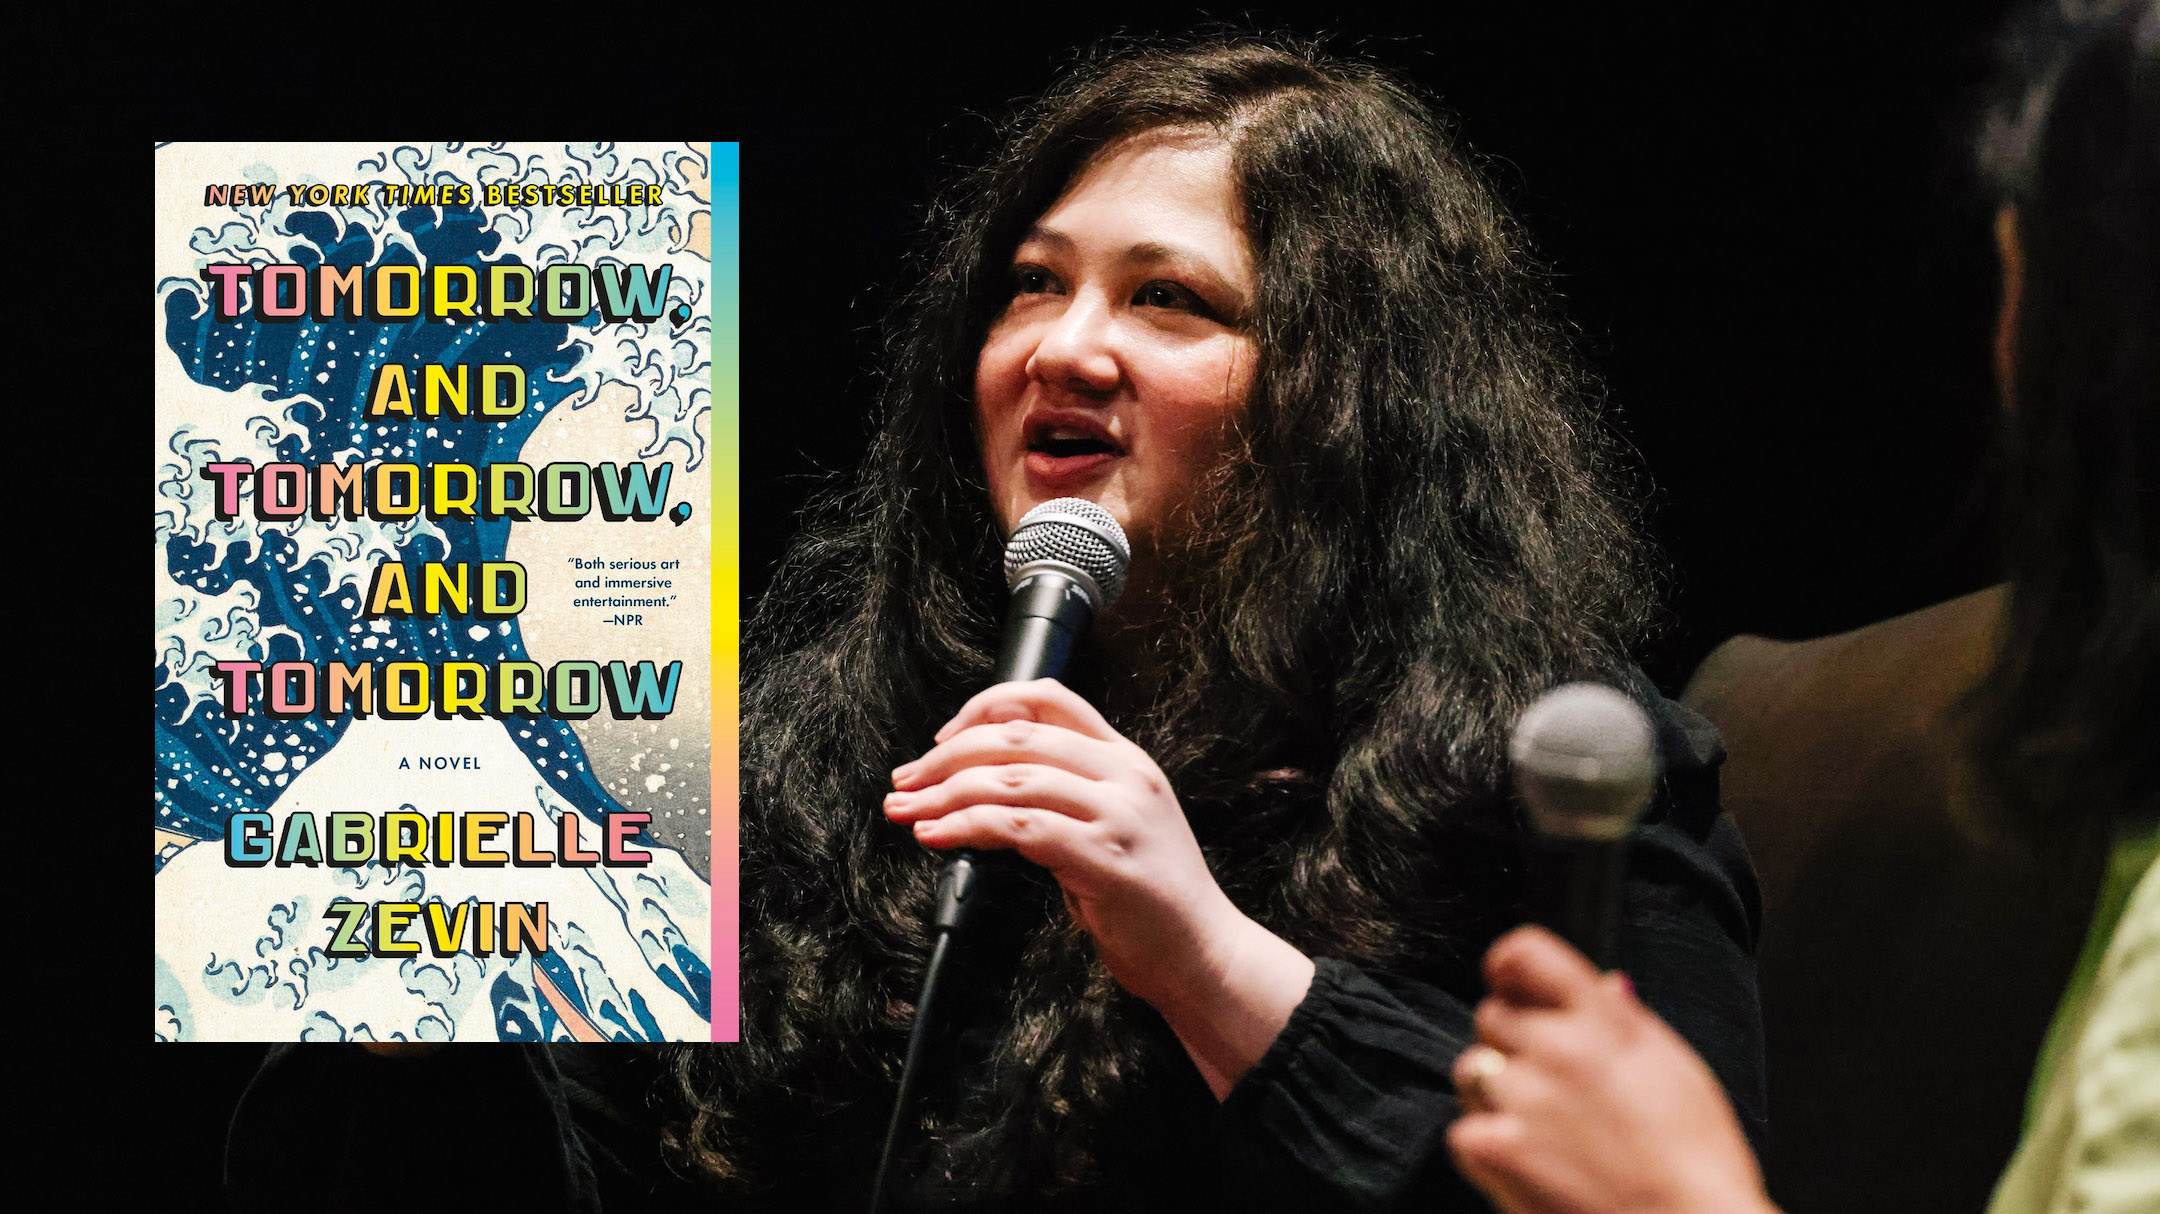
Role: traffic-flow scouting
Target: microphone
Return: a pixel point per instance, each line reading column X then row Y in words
column 1065, row 563
column 1586, row 763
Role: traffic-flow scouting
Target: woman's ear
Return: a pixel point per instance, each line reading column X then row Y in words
column 2012, row 253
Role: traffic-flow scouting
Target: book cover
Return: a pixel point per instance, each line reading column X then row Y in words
column 435, row 607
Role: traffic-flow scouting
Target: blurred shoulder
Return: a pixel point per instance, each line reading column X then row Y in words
column 1892, row 681
column 1851, row 745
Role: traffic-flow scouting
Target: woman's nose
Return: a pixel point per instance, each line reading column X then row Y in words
column 1078, row 349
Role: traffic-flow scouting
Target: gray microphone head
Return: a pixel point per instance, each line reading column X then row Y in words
column 1075, row 537
column 1585, row 761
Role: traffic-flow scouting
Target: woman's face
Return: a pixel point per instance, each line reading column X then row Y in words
column 1122, row 363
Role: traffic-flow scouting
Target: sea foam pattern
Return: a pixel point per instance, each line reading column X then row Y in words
column 633, row 960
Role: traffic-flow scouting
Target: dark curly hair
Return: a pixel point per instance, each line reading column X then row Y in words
column 1423, row 527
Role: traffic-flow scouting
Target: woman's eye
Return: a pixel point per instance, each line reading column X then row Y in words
column 1033, row 280
column 1170, row 295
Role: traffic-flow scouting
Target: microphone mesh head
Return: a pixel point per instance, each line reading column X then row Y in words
column 1586, row 761
column 1076, row 533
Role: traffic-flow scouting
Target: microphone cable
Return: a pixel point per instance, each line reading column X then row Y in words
column 955, row 894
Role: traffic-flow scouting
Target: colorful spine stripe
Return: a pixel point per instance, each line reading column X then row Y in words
column 726, row 446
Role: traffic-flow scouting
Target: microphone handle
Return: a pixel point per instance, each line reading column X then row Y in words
column 1046, row 615
column 1575, row 887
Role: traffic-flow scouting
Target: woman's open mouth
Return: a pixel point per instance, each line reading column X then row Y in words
column 1064, row 453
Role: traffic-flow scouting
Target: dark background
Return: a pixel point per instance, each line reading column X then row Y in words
column 1762, row 222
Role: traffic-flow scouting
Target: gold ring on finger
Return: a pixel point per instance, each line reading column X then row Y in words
column 1481, row 1063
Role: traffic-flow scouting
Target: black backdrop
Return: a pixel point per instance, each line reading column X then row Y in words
column 1762, row 222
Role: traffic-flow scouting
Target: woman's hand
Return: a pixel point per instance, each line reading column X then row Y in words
column 1033, row 768
column 1578, row 1099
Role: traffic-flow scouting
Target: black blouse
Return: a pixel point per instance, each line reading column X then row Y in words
column 1346, row 1111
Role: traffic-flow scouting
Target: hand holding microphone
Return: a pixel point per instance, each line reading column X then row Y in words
column 1028, row 766
column 1033, row 768
column 1577, row 1096
column 1065, row 562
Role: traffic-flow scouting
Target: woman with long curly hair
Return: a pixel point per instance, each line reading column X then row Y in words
column 1261, row 307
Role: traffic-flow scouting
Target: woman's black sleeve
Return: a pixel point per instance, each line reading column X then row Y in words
column 1349, row 1107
